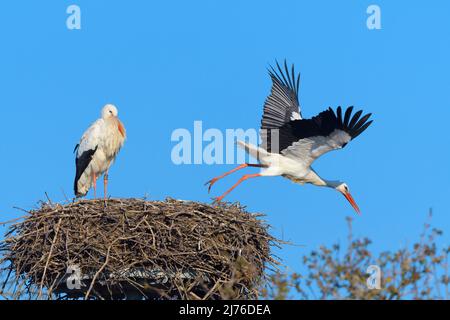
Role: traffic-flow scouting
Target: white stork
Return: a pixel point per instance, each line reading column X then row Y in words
column 97, row 149
column 290, row 144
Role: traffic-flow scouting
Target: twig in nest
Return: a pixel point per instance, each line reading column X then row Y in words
column 49, row 256
column 97, row 274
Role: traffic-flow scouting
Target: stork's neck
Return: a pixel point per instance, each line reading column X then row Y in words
column 332, row 183
column 319, row 181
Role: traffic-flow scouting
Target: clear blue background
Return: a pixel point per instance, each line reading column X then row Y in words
column 166, row 64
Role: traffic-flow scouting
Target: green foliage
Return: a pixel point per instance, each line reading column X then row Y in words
column 418, row 272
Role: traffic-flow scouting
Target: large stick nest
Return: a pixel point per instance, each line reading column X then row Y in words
column 135, row 249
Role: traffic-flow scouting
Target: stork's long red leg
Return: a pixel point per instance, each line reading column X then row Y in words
column 94, row 180
column 242, row 166
column 245, row 177
column 105, row 185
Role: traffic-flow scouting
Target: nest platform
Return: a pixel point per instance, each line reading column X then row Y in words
column 135, row 249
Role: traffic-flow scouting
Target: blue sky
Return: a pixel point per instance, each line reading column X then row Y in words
column 167, row 64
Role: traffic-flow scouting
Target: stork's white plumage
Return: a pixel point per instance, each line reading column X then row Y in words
column 290, row 144
column 97, row 150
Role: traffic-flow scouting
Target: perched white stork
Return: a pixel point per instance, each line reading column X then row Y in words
column 290, row 144
column 98, row 148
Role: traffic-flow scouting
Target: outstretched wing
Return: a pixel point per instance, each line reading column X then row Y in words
column 306, row 140
column 282, row 105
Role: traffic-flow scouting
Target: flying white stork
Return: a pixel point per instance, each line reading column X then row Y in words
column 98, row 148
column 290, row 144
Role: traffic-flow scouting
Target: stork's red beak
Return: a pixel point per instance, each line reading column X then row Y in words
column 350, row 199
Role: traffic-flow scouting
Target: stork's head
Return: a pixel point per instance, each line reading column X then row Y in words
column 109, row 111
column 343, row 188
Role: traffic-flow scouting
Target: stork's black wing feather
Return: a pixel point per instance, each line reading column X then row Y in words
column 82, row 162
column 324, row 132
column 282, row 105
